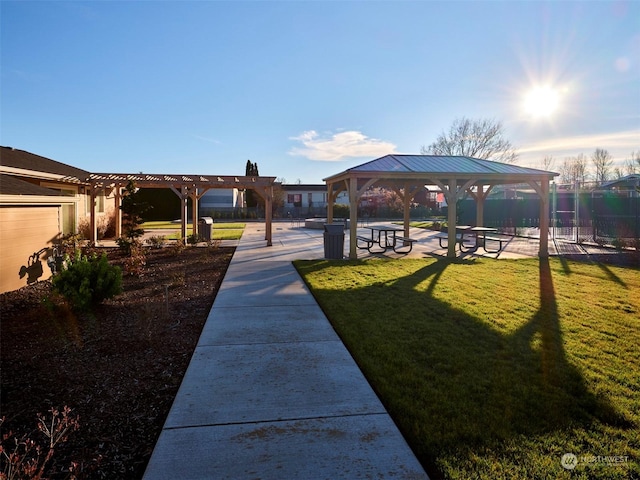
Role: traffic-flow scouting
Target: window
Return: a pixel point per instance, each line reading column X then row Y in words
column 295, row 199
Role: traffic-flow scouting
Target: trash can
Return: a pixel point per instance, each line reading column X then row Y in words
column 334, row 241
column 205, row 229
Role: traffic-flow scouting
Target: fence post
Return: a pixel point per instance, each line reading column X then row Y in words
column 576, row 203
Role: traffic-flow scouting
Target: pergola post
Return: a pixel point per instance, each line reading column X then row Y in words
column 267, row 195
column 194, row 212
column 183, row 213
column 92, row 219
column 118, row 211
column 268, row 215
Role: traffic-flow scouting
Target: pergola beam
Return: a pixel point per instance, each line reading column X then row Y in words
column 185, row 187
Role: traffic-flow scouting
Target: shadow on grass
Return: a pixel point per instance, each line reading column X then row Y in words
column 456, row 386
column 612, row 276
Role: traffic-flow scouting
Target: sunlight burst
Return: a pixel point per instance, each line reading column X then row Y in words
column 541, row 102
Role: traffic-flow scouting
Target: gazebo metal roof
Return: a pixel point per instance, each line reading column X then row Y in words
column 437, row 166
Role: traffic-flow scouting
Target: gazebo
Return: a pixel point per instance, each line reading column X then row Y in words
column 408, row 174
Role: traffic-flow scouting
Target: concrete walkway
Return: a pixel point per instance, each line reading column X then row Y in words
column 271, row 392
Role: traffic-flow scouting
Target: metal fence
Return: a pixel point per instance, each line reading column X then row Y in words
column 598, row 217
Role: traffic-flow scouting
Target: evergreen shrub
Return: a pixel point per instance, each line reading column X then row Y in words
column 87, row 281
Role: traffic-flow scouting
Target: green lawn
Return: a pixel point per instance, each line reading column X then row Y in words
column 221, row 231
column 495, row 369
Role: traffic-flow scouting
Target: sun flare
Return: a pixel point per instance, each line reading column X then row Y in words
column 541, row 102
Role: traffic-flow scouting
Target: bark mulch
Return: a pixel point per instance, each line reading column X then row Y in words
column 118, row 368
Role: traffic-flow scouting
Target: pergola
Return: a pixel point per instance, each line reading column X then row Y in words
column 408, row 174
column 185, row 187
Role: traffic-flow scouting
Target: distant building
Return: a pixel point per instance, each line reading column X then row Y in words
column 629, row 185
column 222, row 199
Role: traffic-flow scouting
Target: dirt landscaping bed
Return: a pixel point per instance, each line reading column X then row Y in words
column 118, row 368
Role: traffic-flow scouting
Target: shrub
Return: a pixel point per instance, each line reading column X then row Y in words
column 88, row 281
column 134, row 264
column 29, row 457
column 192, row 239
column 178, row 247
column 128, row 245
column 340, row 210
column 156, row 241
column 132, row 211
column 105, row 226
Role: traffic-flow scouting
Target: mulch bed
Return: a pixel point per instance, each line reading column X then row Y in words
column 118, row 368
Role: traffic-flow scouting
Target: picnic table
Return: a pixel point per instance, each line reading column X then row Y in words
column 480, row 236
column 384, row 238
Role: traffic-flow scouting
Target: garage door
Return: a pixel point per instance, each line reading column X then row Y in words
column 23, row 231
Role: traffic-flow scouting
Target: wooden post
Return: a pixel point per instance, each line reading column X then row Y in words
column 118, row 212
column 452, row 198
column 353, row 217
column 183, row 213
column 480, row 206
column 194, row 210
column 544, row 218
column 330, row 201
column 406, row 203
column 92, row 218
column 268, row 214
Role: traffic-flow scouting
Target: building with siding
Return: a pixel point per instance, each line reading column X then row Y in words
column 40, row 201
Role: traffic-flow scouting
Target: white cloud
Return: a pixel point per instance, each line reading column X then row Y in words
column 206, row 139
column 619, row 144
column 338, row 146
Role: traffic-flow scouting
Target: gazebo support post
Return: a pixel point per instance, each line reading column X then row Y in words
column 353, row 217
column 543, row 192
column 330, row 203
column 452, row 199
column 406, row 203
column 544, row 219
column 451, row 194
column 480, row 196
column 407, row 194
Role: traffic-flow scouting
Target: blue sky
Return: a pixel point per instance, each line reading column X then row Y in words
column 309, row 88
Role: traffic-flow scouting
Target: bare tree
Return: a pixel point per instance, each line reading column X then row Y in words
column 602, row 162
column 574, row 169
column 474, row 138
column 632, row 164
column 547, row 162
column 618, row 173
